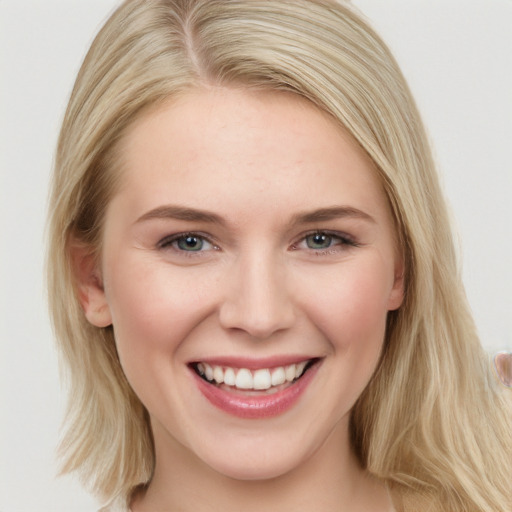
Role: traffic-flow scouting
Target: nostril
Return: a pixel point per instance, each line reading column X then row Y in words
column 257, row 321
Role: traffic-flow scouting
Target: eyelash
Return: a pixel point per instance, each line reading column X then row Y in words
column 168, row 241
column 343, row 241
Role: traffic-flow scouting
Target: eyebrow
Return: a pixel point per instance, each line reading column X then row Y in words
column 181, row 213
column 308, row 217
column 334, row 212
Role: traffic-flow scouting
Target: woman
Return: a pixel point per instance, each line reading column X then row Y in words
column 252, row 275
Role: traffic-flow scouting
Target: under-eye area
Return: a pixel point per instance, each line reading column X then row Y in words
column 270, row 380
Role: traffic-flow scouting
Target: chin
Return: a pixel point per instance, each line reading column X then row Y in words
column 257, row 460
column 255, row 470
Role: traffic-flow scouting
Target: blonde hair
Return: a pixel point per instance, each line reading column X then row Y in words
column 433, row 422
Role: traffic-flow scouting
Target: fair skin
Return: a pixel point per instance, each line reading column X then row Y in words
column 249, row 232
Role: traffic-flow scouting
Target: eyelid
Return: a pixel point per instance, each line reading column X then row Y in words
column 167, row 241
column 344, row 238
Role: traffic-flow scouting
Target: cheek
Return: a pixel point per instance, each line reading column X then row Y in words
column 350, row 307
column 351, row 314
column 153, row 309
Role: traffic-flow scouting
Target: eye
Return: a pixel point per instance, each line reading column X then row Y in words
column 187, row 242
column 319, row 241
column 190, row 243
column 325, row 242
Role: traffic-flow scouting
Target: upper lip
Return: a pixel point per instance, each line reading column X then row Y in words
column 254, row 363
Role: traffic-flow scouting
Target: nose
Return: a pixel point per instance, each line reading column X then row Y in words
column 256, row 297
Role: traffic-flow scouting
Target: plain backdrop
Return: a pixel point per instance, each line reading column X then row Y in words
column 457, row 58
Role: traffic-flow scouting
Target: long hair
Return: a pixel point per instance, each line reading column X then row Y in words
column 432, row 423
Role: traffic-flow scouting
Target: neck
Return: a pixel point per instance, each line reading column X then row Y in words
column 330, row 480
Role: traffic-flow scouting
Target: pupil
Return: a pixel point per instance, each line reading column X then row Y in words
column 320, row 241
column 190, row 243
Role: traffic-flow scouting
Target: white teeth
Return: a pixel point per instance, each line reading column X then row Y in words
column 229, row 377
column 208, row 372
column 299, row 369
column 290, row 372
column 261, row 379
column 278, row 376
column 243, row 378
column 218, row 375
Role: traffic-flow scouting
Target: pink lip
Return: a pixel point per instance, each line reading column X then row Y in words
column 255, row 406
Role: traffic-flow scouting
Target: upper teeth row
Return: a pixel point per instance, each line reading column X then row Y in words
column 246, row 379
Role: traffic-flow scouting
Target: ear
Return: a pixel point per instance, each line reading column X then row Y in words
column 91, row 292
column 396, row 296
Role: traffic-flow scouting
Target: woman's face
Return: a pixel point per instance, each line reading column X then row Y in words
column 248, row 266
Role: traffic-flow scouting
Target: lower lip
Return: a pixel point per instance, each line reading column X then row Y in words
column 256, row 407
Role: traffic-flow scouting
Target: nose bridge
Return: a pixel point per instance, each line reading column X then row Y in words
column 256, row 297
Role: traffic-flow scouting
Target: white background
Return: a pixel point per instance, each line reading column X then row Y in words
column 457, row 58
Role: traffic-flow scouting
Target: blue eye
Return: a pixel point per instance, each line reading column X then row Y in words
column 190, row 243
column 187, row 242
column 325, row 242
column 320, row 241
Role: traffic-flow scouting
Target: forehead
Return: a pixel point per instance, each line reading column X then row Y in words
column 213, row 146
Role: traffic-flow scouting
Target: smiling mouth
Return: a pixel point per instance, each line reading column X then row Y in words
column 267, row 380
